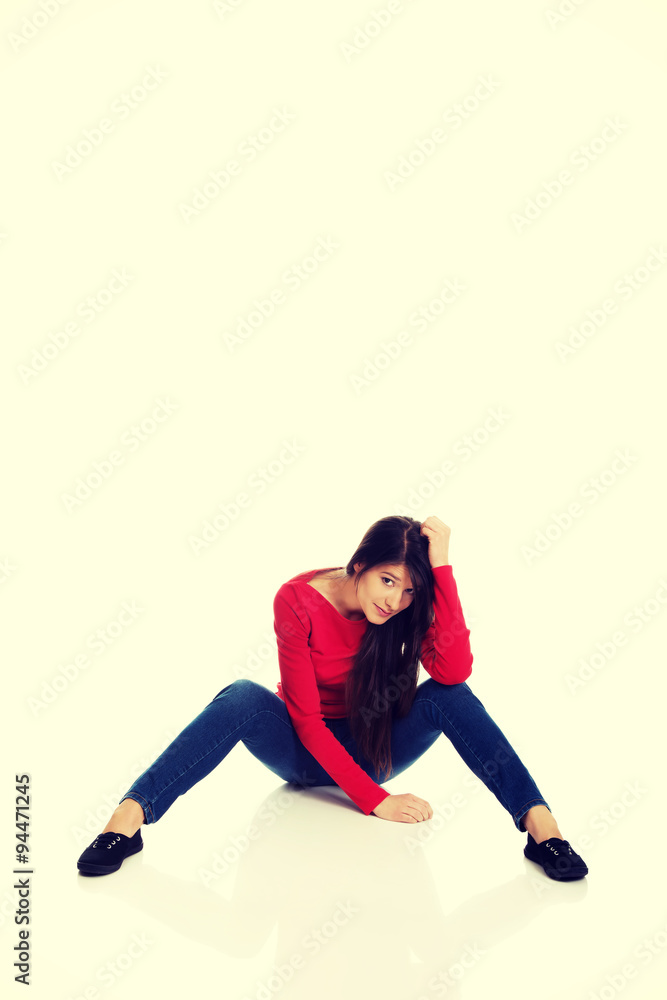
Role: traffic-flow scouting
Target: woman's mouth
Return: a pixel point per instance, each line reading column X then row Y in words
column 385, row 614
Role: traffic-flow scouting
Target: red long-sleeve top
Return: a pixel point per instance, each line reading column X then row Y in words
column 316, row 649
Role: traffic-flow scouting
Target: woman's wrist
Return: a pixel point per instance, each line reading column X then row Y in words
column 441, row 560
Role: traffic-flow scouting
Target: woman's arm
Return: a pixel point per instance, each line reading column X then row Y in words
column 302, row 698
column 445, row 652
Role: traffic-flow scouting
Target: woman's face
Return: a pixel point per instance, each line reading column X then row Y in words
column 385, row 588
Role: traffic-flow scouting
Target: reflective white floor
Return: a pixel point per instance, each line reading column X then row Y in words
column 250, row 888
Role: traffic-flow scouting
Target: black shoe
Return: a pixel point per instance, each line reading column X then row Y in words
column 107, row 853
column 557, row 858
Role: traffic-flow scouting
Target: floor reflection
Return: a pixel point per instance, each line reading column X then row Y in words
column 351, row 904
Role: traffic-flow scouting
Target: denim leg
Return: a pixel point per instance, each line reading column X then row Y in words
column 454, row 710
column 244, row 710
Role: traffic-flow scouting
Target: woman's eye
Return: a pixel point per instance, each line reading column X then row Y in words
column 387, row 579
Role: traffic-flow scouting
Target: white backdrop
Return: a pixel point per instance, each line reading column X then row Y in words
column 271, row 272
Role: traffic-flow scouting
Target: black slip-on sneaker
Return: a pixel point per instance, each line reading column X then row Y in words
column 107, row 853
column 557, row 858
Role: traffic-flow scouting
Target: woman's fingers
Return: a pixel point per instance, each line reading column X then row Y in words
column 405, row 808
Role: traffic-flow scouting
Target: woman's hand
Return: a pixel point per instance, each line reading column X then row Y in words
column 438, row 540
column 405, row 808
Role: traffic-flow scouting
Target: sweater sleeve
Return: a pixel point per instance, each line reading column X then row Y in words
column 445, row 651
column 299, row 689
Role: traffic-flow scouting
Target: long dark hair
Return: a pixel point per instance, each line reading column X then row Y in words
column 383, row 680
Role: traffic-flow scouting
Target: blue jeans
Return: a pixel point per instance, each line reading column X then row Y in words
column 250, row 712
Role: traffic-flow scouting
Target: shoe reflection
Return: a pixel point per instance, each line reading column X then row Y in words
column 349, row 903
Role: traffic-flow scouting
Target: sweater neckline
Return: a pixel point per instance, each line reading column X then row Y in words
column 350, row 621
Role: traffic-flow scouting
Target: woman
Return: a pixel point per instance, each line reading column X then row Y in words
column 347, row 710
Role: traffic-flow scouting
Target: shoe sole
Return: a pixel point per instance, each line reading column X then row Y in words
column 88, row 869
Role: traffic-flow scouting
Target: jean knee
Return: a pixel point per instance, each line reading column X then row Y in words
column 451, row 692
column 243, row 690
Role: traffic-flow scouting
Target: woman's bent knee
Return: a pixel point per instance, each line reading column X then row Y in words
column 243, row 689
column 435, row 689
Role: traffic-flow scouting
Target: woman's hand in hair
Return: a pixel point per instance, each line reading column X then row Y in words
column 405, row 808
column 438, row 534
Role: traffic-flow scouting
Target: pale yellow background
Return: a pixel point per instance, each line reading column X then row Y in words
column 205, row 615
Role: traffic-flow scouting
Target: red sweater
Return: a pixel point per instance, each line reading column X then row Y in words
column 316, row 648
